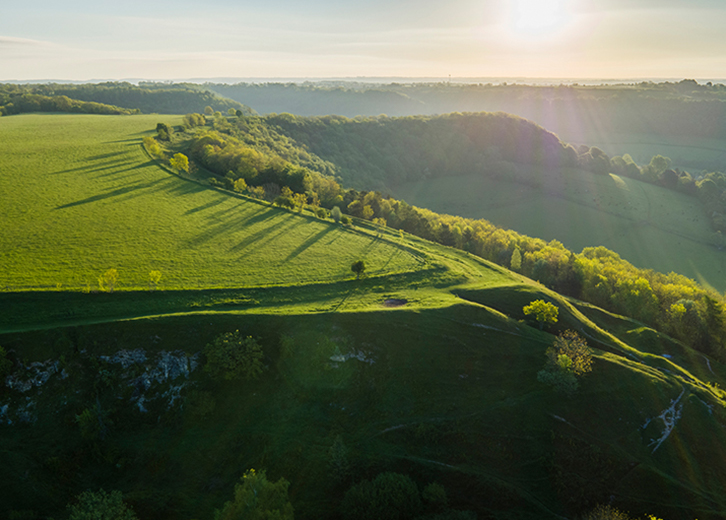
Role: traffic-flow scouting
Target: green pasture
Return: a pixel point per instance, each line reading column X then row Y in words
column 80, row 196
column 647, row 225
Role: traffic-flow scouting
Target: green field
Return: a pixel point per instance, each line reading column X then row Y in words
column 649, row 226
column 80, row 197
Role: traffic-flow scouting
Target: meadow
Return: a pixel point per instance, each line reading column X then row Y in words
column 442, row 387
column 649, row 226
column 80, row 196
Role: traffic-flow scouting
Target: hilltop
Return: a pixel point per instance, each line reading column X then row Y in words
column 442, row 386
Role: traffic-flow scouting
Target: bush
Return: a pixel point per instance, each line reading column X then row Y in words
column 231, row 356
column 568, row 359
column 606, row 513
column 256, row 498
column 100, row 505
column 390, row 496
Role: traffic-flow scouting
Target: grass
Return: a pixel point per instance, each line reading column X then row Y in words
column 447, row 389
column 81, row 197
column 649, row 226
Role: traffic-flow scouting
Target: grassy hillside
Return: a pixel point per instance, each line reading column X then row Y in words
column 81, row 197
column 648, row 225
column 427, row 366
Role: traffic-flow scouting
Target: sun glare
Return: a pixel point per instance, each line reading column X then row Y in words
column 538, row 18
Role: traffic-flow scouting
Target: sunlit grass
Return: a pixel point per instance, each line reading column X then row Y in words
column 80, row 197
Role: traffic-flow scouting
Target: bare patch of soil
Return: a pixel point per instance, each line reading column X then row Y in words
column 394, row 302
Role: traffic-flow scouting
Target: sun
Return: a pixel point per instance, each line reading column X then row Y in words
column 538, row 18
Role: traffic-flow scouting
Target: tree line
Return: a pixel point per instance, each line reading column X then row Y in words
column 161, row 98
column 666, row 108
column 14, row 101
column 256, row 156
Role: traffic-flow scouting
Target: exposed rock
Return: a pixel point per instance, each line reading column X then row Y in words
column 126, row 358
column 34, row 375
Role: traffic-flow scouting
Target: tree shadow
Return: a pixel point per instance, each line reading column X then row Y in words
column 111, row 194
column 263, row 236
column 99, row 166
column 102, row 156
column 308, row 242
column 208, row 205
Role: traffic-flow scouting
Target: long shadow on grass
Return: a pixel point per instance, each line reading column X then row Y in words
column 263, row 236
column 103, row 156
column 208, row 205
column 99, row 167
column 230, row 225
column 310, row 241
column 114, row 193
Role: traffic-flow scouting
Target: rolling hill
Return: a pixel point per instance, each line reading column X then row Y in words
column 426, row 366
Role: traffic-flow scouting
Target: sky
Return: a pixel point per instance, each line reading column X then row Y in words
column 181, row 39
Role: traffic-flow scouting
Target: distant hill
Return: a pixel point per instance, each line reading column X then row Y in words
column 161, row 98
column 654, row 116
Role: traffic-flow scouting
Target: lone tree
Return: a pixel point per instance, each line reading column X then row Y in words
column 544, row 312
column 358, row 267
column 232, row 356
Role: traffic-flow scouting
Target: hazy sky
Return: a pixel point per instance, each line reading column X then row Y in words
column 164, row 39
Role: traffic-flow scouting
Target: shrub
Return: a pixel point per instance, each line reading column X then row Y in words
column 100, row 505
column 231, row 356
column 606, row 513
column 390, row 496
column 568, row 359
column 256, row 498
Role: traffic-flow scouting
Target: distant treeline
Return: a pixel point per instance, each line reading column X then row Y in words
column 15, row 101
column 160, row 98
column 263, row 157
column 685, row 108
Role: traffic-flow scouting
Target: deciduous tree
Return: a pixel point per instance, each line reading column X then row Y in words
column 180, row 162
column 358, row 267
column 544, row 312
